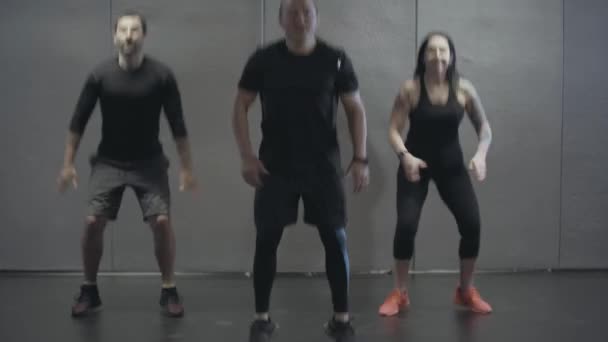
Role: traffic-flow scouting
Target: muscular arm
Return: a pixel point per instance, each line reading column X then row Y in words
column 399, row 118
column 249, row 85
column 240, row 122
column 478, row 118
column 357, row 122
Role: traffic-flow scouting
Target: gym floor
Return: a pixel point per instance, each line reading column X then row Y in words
column 532, row 306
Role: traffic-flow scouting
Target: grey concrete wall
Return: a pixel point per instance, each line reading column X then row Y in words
column 585, row 156
column 45, row 56
column 541, row 204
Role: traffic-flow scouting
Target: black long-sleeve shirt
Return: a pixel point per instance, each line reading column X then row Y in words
column 130, row 103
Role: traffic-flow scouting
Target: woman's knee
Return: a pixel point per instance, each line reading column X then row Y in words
column 403, row 242
column 469, row 227
column 470, row 241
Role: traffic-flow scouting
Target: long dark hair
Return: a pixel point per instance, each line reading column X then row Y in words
column 452, row 74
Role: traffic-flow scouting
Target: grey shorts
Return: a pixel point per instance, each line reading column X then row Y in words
column 149, row 180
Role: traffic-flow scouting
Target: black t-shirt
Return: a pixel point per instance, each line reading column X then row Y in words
column 299, row 98
column 130, row 102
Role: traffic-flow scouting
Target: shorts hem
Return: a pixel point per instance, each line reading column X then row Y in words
column 320, row 223
column 282, row 224
column 105, row 216
column 147, row 217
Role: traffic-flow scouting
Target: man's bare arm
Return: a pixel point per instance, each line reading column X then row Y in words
column 357, row 123
column 240, row 123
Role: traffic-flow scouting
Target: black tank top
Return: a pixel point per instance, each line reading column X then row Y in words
column 433, row 132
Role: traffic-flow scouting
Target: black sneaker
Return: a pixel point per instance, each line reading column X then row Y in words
column 171, row 302
column 87, row 302
column 340, row 331
column 261, row 330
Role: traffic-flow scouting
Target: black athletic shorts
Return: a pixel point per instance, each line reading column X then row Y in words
column 276, row 201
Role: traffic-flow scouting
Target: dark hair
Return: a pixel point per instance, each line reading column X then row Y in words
column 314, row 3
column 452, row 73
column 133, row 13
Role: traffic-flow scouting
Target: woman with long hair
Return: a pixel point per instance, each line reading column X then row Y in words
column 433, row 104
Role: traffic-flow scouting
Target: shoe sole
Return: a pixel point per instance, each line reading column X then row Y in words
column 166, row 313
column 89, row 312
column 462, row 305
column 402, row 308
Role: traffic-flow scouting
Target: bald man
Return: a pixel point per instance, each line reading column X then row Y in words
column 300, row 79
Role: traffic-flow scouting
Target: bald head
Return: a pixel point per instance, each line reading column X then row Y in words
column 286, row 4
column 298, row 18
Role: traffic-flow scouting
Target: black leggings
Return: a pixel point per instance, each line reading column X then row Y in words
column 456, row 191
column 336, row 264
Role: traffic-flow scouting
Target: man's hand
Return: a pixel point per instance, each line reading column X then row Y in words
column 360, row 172
column 67, row 175
column 187, row 181
column 252, row 171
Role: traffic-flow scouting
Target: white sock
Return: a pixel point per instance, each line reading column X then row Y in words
column 262, row 316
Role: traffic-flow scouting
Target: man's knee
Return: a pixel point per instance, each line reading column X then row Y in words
column 334, row 239
column 340, row 237
column 95, row 222
column 94, row 226
column 160, row 222
column 268, row 238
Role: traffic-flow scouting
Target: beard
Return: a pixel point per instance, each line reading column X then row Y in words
column 129, row 49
